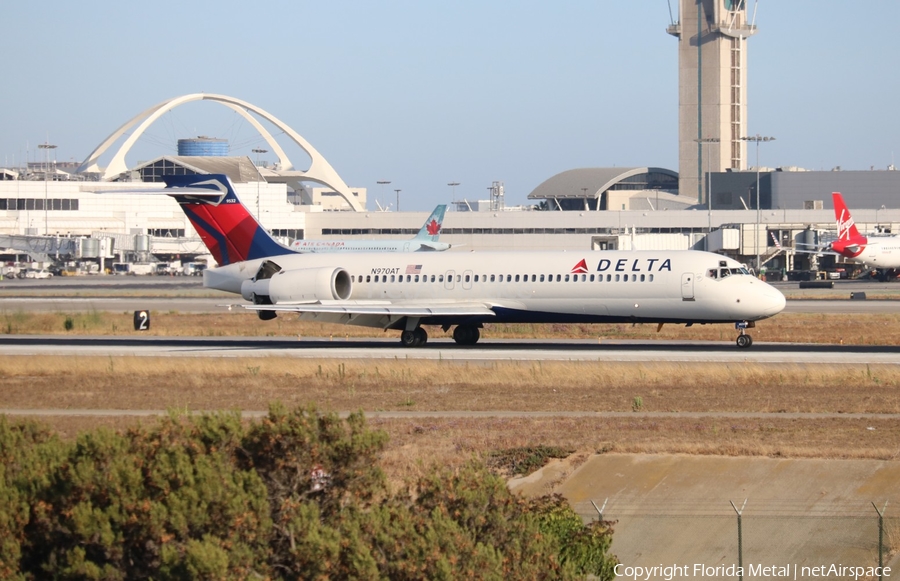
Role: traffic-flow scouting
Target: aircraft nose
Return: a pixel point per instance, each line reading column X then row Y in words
column 759, row 300
column 770, row 301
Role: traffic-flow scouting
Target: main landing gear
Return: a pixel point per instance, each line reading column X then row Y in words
column 462, row 334
column 415, row 338
column 744, row 340
column 466, row 335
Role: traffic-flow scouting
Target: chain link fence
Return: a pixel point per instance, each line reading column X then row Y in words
column 771, row 538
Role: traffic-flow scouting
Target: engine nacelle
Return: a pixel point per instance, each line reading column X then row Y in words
column 305, row 284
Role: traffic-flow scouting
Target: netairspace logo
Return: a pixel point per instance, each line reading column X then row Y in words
column 787, row 571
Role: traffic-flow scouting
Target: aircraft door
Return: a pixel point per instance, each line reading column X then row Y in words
column 467, row 280
column 406, row 247
column 448, row 279
column 687, row 286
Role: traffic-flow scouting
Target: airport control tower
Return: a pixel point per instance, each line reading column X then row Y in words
column 712, row 88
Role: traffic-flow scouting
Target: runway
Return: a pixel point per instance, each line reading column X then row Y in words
column 220, row 305
column 173, row 294
column 447, row 350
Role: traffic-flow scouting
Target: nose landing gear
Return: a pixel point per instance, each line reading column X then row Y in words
column 744, row 340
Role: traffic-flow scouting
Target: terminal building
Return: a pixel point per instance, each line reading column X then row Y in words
column 716, row 201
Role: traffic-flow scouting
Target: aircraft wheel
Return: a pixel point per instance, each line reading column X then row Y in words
column 421, row 336
column 409, row 339
column 466, row 335
column 744, row 341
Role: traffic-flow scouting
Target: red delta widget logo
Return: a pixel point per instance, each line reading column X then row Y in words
column 626, row 265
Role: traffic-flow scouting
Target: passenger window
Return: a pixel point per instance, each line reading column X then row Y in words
column 368, row 278
column 467, row 278
column 492, row 278
column 567, row 278
column 508, row 278
column 392, row 278
column 432, row 278
column 558, row 278
column 617, row 278
column 592, row 278
column 642, row 277
column 651, row 278
column 542, row 278
column 417, row 278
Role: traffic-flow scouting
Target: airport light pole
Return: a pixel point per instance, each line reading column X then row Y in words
column 398, row 199
column 257, row 151
column 382, row 183
column 453, row 185
column 757, row 139
column 46, row 147
column 708, row 141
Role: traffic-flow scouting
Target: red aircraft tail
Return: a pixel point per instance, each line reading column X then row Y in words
column 849, row 242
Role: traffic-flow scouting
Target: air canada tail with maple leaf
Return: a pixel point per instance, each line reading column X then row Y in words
column 431, row 230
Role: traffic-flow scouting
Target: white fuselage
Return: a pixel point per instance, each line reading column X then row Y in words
column 331, row 246
column 880, row 253
column 598, row 286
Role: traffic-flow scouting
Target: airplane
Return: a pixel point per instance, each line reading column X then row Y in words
column 425, row 240
column 880, row 253
column 405, row 292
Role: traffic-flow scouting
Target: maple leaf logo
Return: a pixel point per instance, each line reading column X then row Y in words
column 580, row 267
column 434, row 227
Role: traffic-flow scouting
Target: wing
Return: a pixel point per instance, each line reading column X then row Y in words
column 382, row 314
column 814, row 250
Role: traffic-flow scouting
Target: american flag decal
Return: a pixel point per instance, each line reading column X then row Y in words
column 414, row 269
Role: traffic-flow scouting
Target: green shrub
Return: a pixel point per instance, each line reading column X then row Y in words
column 297, row 495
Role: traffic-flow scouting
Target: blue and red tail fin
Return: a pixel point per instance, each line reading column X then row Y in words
column 227, row 229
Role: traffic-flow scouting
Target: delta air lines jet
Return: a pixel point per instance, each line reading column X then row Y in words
column 407, row 292
column 426, row 240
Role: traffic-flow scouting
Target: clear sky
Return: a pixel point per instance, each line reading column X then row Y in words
column 424, row 93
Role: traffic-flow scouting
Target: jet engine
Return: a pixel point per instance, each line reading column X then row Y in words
column 301, row 285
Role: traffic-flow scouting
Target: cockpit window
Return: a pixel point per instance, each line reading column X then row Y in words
column 724, row 272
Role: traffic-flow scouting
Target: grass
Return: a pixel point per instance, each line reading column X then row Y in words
column 639, row 389
column 414, row 385
column 195, row 384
